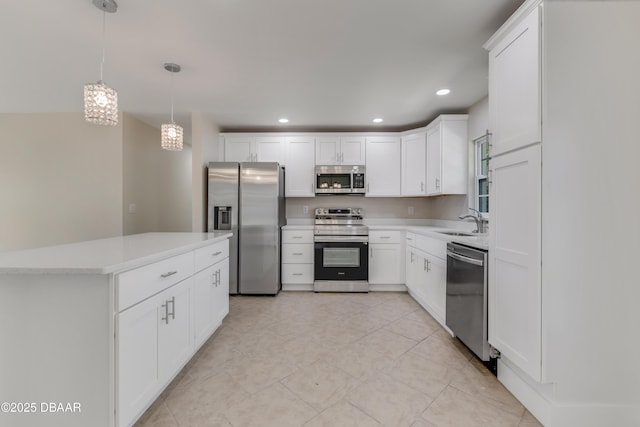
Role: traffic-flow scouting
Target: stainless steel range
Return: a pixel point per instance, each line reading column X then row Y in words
column 341, row 245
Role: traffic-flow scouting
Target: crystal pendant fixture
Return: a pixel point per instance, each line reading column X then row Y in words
column 172, row 133
column 100, row 100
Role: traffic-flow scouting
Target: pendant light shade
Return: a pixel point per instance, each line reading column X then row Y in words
column 172, row 137
column 172, row 134
column 100, row 100
column 100, row 104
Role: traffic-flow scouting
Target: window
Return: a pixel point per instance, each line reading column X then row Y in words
column 482, row 169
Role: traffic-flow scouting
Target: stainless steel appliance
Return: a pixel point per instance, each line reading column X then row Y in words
column 341, row 247
column 339, row 179
column 466, row 308
column 248, row 199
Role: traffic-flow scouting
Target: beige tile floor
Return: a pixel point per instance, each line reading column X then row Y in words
column 306, row 359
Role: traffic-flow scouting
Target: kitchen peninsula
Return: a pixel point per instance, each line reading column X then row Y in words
column 101, row 327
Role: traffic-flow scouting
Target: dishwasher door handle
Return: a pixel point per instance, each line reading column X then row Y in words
column 463, row 258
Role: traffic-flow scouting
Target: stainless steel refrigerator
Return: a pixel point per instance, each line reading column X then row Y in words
column 248, row 200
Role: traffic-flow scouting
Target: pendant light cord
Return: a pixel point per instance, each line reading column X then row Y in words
column 104, row 30
column 172, row 73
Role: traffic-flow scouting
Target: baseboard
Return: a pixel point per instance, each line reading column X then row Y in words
column 298, row 287
column 387, row 288
column 532, row 399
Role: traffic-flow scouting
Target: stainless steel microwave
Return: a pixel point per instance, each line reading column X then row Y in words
column 340, row 179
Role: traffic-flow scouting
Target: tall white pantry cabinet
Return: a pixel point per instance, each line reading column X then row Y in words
column 563, row 292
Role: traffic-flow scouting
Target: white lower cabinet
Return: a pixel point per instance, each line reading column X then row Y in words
column 154, row 342
column 426, row 274
column 297, row 257
column 515, row 287
column 158, row 334
column 210, row 305
column 386, row 257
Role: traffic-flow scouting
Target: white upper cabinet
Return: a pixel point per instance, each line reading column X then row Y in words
column 515, row 86
column 413, row 164
column 383, row 166
column 335, row 150
column 300, row 161
column 270, row 149
column 447, row 155
column 254, row 149
column 239, row 148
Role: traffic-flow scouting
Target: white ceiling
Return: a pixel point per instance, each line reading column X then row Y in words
column 324, row 64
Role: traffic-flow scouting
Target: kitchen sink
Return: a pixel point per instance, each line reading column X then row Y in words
column 456, row 233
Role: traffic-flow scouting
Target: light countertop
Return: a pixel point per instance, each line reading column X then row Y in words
column 105, row 256
column 480, row 241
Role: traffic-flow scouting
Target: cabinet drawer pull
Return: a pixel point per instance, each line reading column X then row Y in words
column 298, row 253
column 385, row 237
column 297, row 274
column 168, row 273
column 296, row 237
column 217, row 253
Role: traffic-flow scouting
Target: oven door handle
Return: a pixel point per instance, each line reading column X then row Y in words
column 341, row 239
column 468, row 260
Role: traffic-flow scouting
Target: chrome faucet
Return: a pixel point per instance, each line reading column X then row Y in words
column 480, row 222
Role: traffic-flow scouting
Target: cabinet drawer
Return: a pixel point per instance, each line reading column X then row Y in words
column 297, row 273
column 297, row 253
column 209, row 255
column 297, row 236
column 434, row 247
column 380, row 236
column 136, row 285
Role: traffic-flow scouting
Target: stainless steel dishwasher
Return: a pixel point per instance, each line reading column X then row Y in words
column 466, row 309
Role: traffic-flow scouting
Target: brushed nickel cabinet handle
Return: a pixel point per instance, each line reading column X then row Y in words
column 168, row 273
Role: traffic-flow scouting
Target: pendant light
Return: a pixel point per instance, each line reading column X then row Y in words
column 171, row 132
column 100, row 100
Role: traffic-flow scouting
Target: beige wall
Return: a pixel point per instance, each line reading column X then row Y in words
column 205, row 146
column 60, row 180
column 156, row 181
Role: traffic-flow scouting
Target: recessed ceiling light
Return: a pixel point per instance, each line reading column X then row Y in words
column 377, row 120
column 283, row 120
column 443, row 92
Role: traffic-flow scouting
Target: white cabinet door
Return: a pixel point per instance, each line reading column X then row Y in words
column 204, row 284
column 434, row 161
column 515, row 258
column 328, row 150
column 383, row 166
column 175, row 336
column 221, row 292
column 421, row 278
column 239, row 149
column 436, row 286
column 334, row 150
column 515, row 87
column 269, row 149
column 410, row 270
column 385, row 264
column 447, row 155
column 137, row 361
column 352, row 150
column 414, row 163
column 300, row 161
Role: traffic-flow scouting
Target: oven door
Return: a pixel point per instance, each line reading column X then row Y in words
column 341, row 258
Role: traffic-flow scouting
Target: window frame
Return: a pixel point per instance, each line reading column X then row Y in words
column 478, row 176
